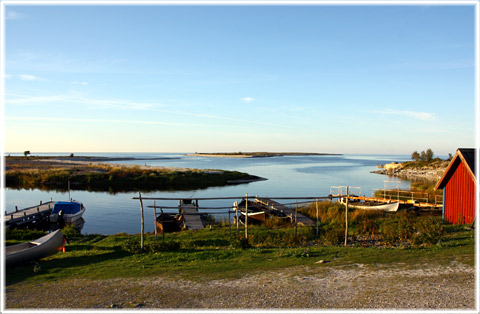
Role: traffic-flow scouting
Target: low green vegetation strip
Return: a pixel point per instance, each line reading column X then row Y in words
column 220, row 252
column 114, row 178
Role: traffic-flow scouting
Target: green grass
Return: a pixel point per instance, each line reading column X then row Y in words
column 207, row 254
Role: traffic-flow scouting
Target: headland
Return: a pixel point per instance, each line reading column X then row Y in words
column 257, row 154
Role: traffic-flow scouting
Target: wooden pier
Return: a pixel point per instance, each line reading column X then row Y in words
column 192, row 218
column 290, row 212
column 29, row 215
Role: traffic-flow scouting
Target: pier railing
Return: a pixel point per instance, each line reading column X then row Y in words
column 294, row 215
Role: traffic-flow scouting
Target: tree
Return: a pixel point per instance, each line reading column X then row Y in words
column 429, row 155
column 423, row 156
column 415, row 156
column 26, row 153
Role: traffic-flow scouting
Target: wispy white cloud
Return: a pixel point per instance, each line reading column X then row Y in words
column 18, row 99
column 79, row 83
column 28, row 77
column 411, row 114
column 67, row 119
column 103, row 103
column 14, row 15
column 248, row 99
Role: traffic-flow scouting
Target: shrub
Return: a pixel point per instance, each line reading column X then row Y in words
column 396, row 230
column 157, row 247
column 132, row 246
column 428, row 230
column 241, row 244
column 333, row 235
column 367, row 227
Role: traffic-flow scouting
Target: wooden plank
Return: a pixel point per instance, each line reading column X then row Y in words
column 301, row 219
column 21, row 214
column 192, row 217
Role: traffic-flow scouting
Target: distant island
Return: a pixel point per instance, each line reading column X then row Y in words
column 97, row 174
column 257, row 154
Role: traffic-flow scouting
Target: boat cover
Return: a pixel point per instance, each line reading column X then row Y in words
column 69, row 208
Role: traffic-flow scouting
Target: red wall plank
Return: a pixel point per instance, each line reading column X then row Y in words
column 460, row 197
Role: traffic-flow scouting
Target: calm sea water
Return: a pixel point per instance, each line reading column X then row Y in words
column 288, row 176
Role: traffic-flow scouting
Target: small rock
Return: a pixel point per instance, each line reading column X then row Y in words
column 320, row 262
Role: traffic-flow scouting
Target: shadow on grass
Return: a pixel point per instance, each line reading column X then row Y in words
column 51, row 266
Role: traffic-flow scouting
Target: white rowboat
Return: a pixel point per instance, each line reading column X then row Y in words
column 34, row 250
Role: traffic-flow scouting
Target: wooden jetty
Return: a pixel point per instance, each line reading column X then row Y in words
column 29, row 216
column 290, row 212
column 193, row 220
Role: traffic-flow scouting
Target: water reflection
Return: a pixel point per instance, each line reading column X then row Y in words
column 290, row 176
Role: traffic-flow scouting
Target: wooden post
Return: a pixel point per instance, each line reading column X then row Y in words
column 236, row 219
column 155, row 219
column 296, row 228
column 229, row 224
column 316, row 205
column 246, row 216
column 346, row 218
column 142, row 224
column 163, row 229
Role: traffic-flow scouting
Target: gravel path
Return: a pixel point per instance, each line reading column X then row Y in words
column 323, row 287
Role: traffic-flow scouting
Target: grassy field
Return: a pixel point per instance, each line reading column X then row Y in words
column 217, row 253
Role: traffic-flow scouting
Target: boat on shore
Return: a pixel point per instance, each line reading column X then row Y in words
column 169, row 222
column 386, row 207
column 70, row 212
column 33, row 250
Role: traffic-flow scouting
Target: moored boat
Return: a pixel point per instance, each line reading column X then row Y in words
column 166, row 222
column 29, row 251
column 69, row 211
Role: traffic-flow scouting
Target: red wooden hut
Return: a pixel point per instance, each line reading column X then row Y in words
column 459, row 188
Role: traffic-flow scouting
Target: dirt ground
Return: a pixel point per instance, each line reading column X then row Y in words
column 357, row 286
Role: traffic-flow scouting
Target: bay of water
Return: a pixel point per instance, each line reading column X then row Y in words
column 288, row 176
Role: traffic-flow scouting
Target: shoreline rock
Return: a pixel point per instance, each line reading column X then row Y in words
column 429, row 173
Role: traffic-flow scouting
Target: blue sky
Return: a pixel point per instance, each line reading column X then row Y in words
column 338, row 79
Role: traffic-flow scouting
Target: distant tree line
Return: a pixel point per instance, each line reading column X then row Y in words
column 426, row 156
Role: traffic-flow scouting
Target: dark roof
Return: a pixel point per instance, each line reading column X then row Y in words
column 465, row 155
column 469, row 157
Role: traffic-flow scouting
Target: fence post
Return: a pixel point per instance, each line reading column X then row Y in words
column 346, row 218
column 142, row 224
column 155, row 219
column 316, row 205
column 236, row 218
column 296, row 228
column 246, row 216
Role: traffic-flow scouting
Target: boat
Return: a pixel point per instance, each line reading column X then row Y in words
column 166, row 222
column 256, row 215
column 29, row 251
column 387, row 207
column 70, row 211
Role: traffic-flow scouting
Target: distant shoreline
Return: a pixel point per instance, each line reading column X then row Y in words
column 257, row 154
column 98, row 174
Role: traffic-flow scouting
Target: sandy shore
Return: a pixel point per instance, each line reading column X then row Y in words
column 353, row 286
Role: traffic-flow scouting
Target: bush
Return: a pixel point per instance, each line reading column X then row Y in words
column 428, row 230
column 162, row 247
column 132, row 246
column 334, row 236
column 241, row 244
column 396, row 230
